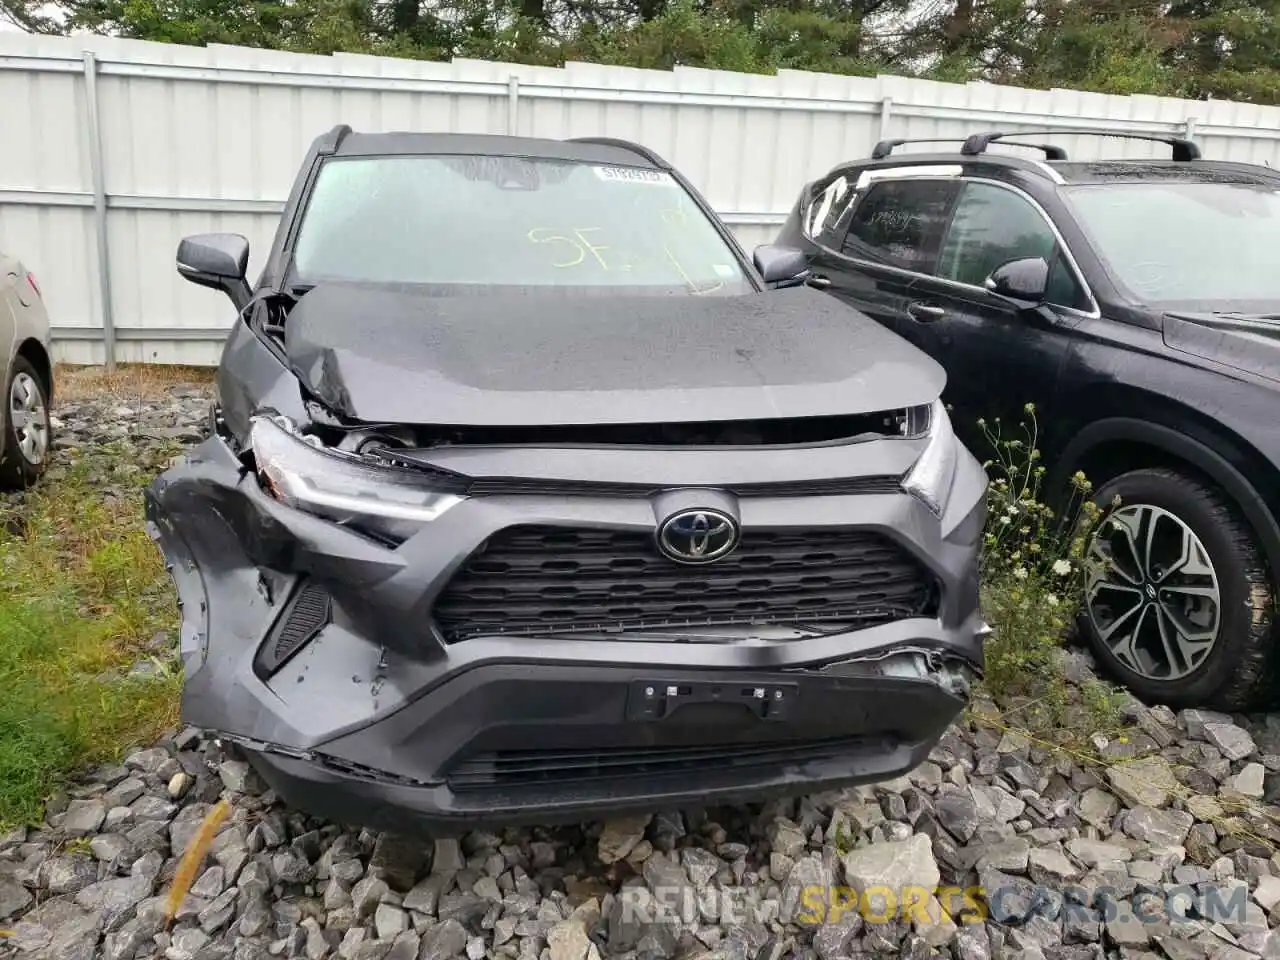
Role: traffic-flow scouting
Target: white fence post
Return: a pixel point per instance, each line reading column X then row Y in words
column 99, row 206
column 513, row 104
column 886, row 114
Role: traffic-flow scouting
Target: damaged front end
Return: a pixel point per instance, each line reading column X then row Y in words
column 956, row 675
column 357, row 620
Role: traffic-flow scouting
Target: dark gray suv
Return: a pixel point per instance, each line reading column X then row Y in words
column 527, row 498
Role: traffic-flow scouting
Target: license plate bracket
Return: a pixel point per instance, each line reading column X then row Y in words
column 656, row 699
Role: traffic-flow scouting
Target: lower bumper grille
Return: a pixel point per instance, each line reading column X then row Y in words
column 310, row 611
column 525, row 768
column 531, row 581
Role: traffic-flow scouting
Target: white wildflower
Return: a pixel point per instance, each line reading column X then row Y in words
column 1020, row 572
column 1062, row 567
column 1051, row 600
column 1005, row 521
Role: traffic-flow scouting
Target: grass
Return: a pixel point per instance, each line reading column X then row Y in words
column 83, row 595
column 129, row 382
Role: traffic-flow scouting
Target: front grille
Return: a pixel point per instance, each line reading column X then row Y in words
column 525, row 768
column 532, row 581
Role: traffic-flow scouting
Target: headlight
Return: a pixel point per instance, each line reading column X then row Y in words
column 342, row 487
column 930, row 478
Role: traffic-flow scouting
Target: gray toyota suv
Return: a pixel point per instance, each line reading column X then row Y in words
column 528, row 497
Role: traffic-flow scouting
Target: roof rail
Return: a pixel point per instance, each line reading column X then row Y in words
column 1184, row 151
column 886, row 147
column 328, row 143
column 624, row 145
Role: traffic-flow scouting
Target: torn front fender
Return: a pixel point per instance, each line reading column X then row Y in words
column 234, row 555
column 211, row 494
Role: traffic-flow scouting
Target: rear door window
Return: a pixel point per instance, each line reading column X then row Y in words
column 900, row 223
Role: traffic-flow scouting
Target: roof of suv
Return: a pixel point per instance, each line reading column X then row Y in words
column 1116, row 171
column 342, row 141
column 1185, row 165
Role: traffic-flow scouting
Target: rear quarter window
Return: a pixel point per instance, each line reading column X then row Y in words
column 828, row 213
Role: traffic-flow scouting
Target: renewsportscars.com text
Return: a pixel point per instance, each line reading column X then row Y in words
column 816, row 904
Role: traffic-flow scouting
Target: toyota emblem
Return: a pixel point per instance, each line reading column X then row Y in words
column 697, row 536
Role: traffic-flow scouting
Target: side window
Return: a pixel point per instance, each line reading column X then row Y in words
column 1064, row 289
column 900, row 223
column 991, row 226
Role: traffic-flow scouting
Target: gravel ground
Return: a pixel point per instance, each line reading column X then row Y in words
column 1168, row 850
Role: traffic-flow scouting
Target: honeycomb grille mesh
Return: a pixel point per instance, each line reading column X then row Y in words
column 547, row 580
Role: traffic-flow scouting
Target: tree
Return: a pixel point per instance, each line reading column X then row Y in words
column 1189, row 48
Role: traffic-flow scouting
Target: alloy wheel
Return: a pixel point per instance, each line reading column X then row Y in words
column 1152, row 594
column 29, row 418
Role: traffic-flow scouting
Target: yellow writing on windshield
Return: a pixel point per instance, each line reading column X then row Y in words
column 675, row 216
column 684, row 275
column 576, row 240
column 584, row 249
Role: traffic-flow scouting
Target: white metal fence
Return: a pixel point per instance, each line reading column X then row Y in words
column 111, row 150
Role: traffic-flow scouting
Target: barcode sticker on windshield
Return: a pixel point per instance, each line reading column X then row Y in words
column 631, row 175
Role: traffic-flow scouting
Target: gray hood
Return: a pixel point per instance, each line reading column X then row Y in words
column 381, row 354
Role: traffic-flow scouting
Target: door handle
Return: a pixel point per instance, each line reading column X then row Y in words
column 924, row 312
column 818, row 280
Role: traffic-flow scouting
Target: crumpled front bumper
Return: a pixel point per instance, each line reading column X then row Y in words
column 375, row 720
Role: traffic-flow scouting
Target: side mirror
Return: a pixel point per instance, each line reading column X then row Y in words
column 781, row 266
column 217, row 260
column 1024, row 281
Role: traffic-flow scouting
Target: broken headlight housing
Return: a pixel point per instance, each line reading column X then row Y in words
column 930, row 478
column 350, row 489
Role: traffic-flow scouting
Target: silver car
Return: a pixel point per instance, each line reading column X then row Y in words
column 28, row 377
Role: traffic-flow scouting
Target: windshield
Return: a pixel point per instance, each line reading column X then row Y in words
column 1207, row 246
column 508, row 221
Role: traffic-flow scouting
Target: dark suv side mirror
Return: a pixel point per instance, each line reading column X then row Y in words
column 1024, row 281
column 781, row 266
column 217, row 260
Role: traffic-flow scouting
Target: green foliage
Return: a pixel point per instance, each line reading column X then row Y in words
column 1116, row 57
column 845, row 839
column 681, row 35
column 1034, row 567
column 1228, row 49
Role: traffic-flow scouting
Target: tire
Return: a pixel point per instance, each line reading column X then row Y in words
column 21, row 468
column 1162, row 508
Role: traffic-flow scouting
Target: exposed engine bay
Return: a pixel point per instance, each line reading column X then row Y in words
column 371, row 439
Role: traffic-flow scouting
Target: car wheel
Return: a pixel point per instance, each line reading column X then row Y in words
column 1178, row 602
column 27, row 434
